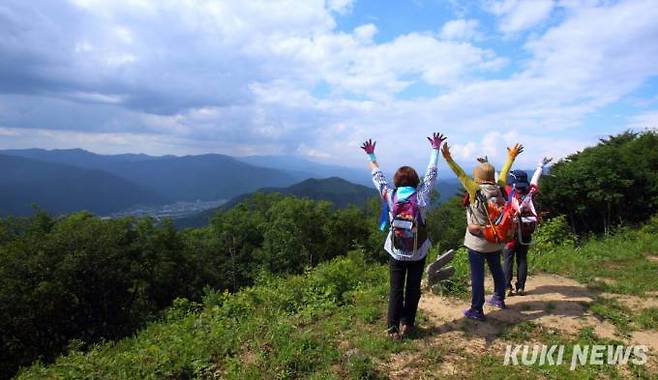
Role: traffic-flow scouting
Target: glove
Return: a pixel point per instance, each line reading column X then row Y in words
column 515, row 151
column 436, row 140
column 545, row 161
column 369, row 147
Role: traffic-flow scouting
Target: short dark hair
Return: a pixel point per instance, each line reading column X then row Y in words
column 406, row 176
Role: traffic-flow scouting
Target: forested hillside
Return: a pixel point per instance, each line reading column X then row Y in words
column 338, row 191
column 85, row 279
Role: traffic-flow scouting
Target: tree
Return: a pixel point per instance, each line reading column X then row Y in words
column 614, row 182
column 447, row 224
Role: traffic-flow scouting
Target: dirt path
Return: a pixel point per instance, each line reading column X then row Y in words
column 556, row 304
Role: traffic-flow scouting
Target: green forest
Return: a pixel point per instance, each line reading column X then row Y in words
column 267, row 287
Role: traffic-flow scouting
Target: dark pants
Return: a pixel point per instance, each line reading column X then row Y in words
column 403, row 297
column 521, row 253
column 476, row 260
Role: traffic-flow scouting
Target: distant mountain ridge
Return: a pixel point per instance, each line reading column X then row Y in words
column 339, row 192
column 120, row 181
column 185, row 178
column 59, row 188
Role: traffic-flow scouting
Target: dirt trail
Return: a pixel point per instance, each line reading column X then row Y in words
column 557, row 304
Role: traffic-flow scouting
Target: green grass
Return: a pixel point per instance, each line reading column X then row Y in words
column 613, row 311
column 648, row 319
column 616, row 263
column 625, row 319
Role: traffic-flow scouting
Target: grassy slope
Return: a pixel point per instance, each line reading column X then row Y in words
column 329, row 324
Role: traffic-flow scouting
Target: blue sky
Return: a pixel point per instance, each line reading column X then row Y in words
column 314, row 78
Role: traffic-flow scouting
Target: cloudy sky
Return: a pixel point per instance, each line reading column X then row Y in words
column 315, row 78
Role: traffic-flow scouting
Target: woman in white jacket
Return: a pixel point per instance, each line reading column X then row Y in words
column 410, row 195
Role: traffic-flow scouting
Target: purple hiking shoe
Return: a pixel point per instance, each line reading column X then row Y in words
column 474, row 314
column 497, row 302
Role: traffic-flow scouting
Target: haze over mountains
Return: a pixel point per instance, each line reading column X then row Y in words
column 60, row 188
column 308, row 169
column 62, row 181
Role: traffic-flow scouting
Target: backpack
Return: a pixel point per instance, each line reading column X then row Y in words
column 527, row 219
column 408, row 229
column 502, row 219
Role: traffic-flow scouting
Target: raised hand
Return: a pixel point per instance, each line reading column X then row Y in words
column 369, row 146
column 446, row 152
column 436, row 140
column 545, row 161
column 515, row 151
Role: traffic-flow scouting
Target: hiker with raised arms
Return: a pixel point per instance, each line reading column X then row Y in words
column 521, row 192
column 488, row 224
column 407, row 243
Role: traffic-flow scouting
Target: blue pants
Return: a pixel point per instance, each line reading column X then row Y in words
column 476, row 260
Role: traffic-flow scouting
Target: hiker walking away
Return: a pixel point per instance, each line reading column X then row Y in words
column 407, row 243
column 482, row 236
column 520, row 191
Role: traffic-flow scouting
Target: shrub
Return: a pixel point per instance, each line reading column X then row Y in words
column 552, row 233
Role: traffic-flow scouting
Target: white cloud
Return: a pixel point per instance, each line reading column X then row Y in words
column 460, row 29
column 341, row 6
column 265, row 77
column 519, row 15
column 365, row 33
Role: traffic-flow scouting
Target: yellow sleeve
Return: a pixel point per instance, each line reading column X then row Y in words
column 466, row 181
column 504, row 171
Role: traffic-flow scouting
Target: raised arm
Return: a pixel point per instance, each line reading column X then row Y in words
column 429, row 179
column 538, row 171
column 378, row 178
column 469, row 185
column 511, row 156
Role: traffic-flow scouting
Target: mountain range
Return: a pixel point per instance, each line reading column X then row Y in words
column 60, row 188
column 66, row 180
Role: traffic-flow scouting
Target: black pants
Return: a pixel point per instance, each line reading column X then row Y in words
column 521, row 253
column 404, row 296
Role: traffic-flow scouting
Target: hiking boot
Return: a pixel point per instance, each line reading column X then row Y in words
column 520, row 292
column 510, row 292
column 476, row 315
column 406, row 330
column 496, row 302
column 393, row 333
